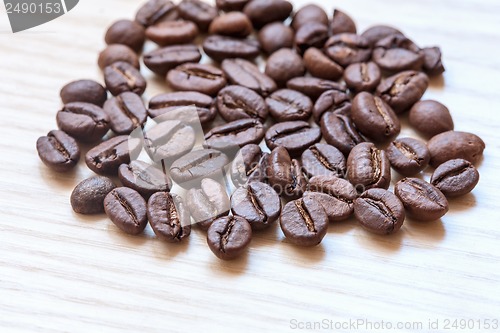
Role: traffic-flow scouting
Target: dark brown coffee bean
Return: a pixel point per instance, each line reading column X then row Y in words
column 319, row 65
column 86, row 91
column 339, row 131
column 374, row 118
column 455, row 177
column 229, row 236
column 207, row 203
column 421, row 200
column 232, row 24
column 121, row 77
column 143, row 177
column 222, row 47
column 205, row 79
column 168, row 217
column 258, row 203
column 261, row 12
column 454, row 144
column 244, row 73
column 378, row 32
column 168, row 140
column 304, row 221
column 106, row 158
column 314, row 87
column 323, row 159
column 285, row 174
column 275, row 36
column 402, row 90
column 363, row 76
column 84, row 121
column 347, row 48
column 309, row 13
column 126, row 112
column 396, row 53
column 197, row 11
column 88, row 196
column 430, row 118
column 126, row 32
column 237, row 102
column 235, row 134
column 379, row 211
column 204, row 163
column 288, row 105
column 231, row 5
column 408, row 156
column 162, row 60
column 115, row 53
column 333, row 101
column 58, row 151
column 172, row 32
column 284, row 65
column 250, row 164
column 368, row 167
column 126, row 209
column 311, row 34
column 295, row 136
column 342, row 23
column 432, row 61
column 155, row 11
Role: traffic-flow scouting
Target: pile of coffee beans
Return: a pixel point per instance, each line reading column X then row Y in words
column 317, row 130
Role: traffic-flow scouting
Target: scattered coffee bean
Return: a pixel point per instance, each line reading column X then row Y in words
column 172, row 32
column 320, row 66
column 348, row 48
column 121, row 77
column 207, row 203
column 396, row 53
column 287, row 105
column 430, row 118
column 126, row 32
column 284, row 65
column 368, row 167
column 363, row 76
column 309, row 13
column 455, row 177
column 229, row 236
column 311, row 34
column 285, row 174
column 223, row 47
column 88, row 196
column 197, row 11
column 314, row 87
column 432, row 61
column 402, row 90
column 204, row 163
column 115, row 53
column 237, row 102
column 231, row 5
column 205, row 79
column 244, row 73
column 168, row 217
column 454, row 144
column 86, row 91
column 169, row 140
column 342, row 23
column 275, row 36
column 143, row 177
column 106, row 158
column 323, row 159
column 378, row 32
column 339, row 131
column 126, row 209
column 155, row 11
column 261, row 12
column 126, row 112
column 58, row 151
column 232, row 24
column 84, row 121
column 295, row 136
column 236, row 134
column 250, row 164
column 162, row 60
column 408, row 156
column 332, row 101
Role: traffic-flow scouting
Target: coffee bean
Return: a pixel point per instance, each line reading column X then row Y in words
column 231, row 5
column 205, row 79
column 379, row 211
column 155, row 11
column 275, row 36
column 172, row 32
column 311, row 34
column 261, row 12
column 84, row 121
column 244, row 73
column 421, row 200
column 364, row 76
column 121, row 77
column 126, row 112
column 314, row 87
column 323, row 159
column 126, row 209
column 229, row 236
column 378, row 32
column 455, row 177
column 430, row 118
column 237, row 102
column 348, row 48
column 235, row 134
column 58, row 151
column 88, row 196
column 143, row 177
column 339, row 131
column 222, row 47
column 432, row 61
column 295, row 136
column 197, row 11
column 374, row 118
column 168, row 140
column 115, row 53
column 454, row 144
column 232, row 24
column 342, row 23
column 396, row 53
column 319, row 65
column 285, row 174
column 408, row 156
column 304, row 221
column 87, row 91
column 402, row 90
column 106, row 158
column 168, row 217
column 368, row 167
column 126, row 32
column 205, row 163
column 162, row 60
column 284, row 65
column 309, row 13
column 287, row 105
column 250, row 164
column 332, row 101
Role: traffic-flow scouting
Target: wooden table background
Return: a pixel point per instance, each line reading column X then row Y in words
column 60, row 271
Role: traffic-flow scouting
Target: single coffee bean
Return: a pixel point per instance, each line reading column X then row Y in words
column 172, row 32
column 86, row 91
column 232, row 24
column 374, row 118
column 275, row 36
column 106, row 158
column 379, row 211
column 126, row 209
column 58, row 151
column 204, row 163
column 285, row 174
column 402, row 90
column 432, row 61
column 314, row 87
column 430, row 118
column 155, row 11
column 205, row 79
column 295, row 136
column 126, row 32
column 408, row 156
column 323, row 159
column 84, row 121
column 237, row 102
column 250, row 164
column 162, row 60
column 363, row 76
column 261, row 12
column 235, row 134
column 126, row 112
column 223, row 47
column 320, row 66
column 244, row 73
column 121, row 77
column 396, row 53
column 348, row 48
column 304, row 221
column 197, row 11
column 455, row 177
column 339, row 131
column 284, row 65
column 258, row 203
column 309, row 13
column 332, row 101
column 287, row 105
column 168, row 140
column 378, row 32
column 168, row 217
column 231, row 5
column 311, row 34
column 143, row 177
column 115, row 53
column 421, row 200
column 368, row 167
column 229, row 236
column 454, row 144
column 342, row 23
column 336, row 195
column 88, row 196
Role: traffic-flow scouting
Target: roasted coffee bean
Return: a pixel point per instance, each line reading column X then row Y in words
column 126, row 112
column 231, row 5
column 168, row 140
column 275, row 36
column 454, row 144
column 115, row 53
column 258, row 203
column 197, row 11
column 348, row 48
column 455, row 177
column 342, row 23
column 143, row 177
column 285, row 174
column 207, row 203
column 378, row 32
column 287, row 105
column 168, row 217
column 204, row 163
column 283, row 65
column 374, row 118
column 84, row 121
column 250, row 164
column 430, row 118
column 107, row 157
column 336, row 195
column 155, row 11
column 126, row 209
column 323, row 159
column 237, row 102
column 223, row 47
column 309, row 13
column 247, row 74
column 121, row 77
column 88, row 196
column 379, row 211
column 172, row 32
column 402, row 90
column 339, row 131
column 432, row 61
column 396, row 53
column 126, row 32
column 205, row 79
column 304, row 221
column 235, row 134
column 421, row 200
column 333, row 101
column 368, row 167
column 232, row 24
column 363, row 76
column 408, row 156
column 319, row 65
column 261, row 12
column 311, row 34
column 58, row 151
column 314, row 87
column 229, row 236
column 295, row 136
column 86, row 91
column 162, row 60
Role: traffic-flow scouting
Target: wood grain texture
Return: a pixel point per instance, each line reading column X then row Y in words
column 61, row 272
